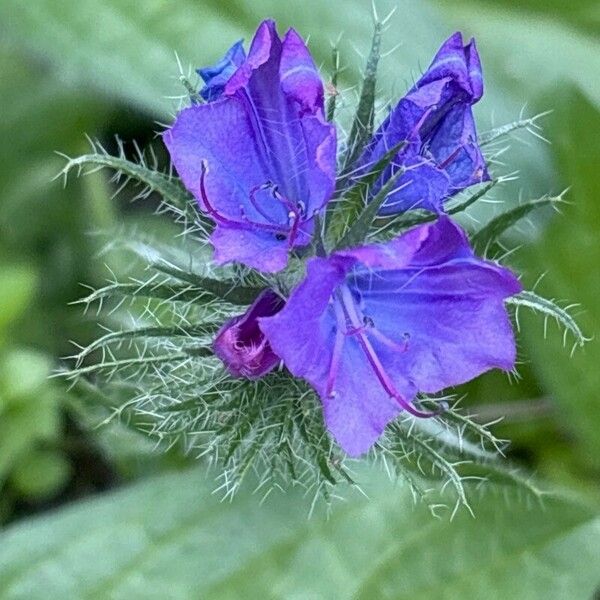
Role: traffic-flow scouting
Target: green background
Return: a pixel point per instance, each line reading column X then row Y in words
column 70, row 68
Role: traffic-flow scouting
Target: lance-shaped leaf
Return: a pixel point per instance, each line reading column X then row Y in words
column 226, row 289
column 169, row 537
column 492, row 231
column 549, row 309
column 531, row 125
column 362, row 126
column 167, row 187
column 358, row 231
column 341, row 213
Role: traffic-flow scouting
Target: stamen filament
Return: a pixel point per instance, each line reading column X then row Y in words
column 450, row 158
column 223, row 220
column 294, row 214
column 352, row 317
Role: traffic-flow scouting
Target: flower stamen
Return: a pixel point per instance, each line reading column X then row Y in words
column 295, row 212
column 352, row 318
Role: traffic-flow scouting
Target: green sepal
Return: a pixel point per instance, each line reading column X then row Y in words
column 348, row 208
column 549, row 308
column 359, row 230
column 497, row 133
column 332, row 100
column 493, row 230
column 225, row 289
column 362, row 125
column 197, row 330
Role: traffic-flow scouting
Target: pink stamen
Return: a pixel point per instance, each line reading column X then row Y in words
column 223, row 220
column 352, row 317
column 446, row 162
column 356, row 330
column 294, row 214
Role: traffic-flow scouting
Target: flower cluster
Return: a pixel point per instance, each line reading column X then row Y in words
column 372, row 326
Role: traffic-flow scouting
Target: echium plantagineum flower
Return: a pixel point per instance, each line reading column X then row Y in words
column 371, row 327
column 240, row 343
column 216, row 76
column 434, row 119
column 259, row 156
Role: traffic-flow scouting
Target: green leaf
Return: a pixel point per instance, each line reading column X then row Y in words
column 169, row 537
column 362, row 125
column 492, row 231
column 219, row 288
column 550, row 309
column 166, row 186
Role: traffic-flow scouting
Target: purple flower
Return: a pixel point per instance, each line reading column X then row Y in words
column 240, row 343
column 259, row 157
column 435, row 120
column 371, row 327
column 216, row 76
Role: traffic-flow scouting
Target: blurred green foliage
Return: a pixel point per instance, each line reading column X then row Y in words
column 108, row 66
column 569, row 254
column 29, row 409
column 157, row 540
column 44, row 253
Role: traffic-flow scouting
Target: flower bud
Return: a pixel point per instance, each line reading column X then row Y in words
column 241, row 344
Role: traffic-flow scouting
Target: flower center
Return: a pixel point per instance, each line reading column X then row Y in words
column 295, row 212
